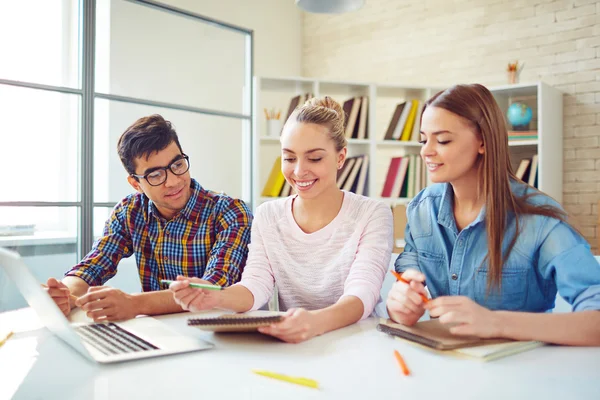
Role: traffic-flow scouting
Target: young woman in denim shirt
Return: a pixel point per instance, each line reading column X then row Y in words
column 492, row 250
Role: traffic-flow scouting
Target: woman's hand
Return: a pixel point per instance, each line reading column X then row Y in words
column 468, row 317
column 297, row 326
column 404, row 302
column 193, row 299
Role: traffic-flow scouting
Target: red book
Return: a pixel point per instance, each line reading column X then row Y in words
column 391, row 177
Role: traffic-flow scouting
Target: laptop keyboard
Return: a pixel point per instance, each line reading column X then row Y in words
column 111, row 339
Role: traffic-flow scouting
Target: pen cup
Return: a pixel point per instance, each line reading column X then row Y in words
column 274, row 127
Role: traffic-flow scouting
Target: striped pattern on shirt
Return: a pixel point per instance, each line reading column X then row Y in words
column 208, row 238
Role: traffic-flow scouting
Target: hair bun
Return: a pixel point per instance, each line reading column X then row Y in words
column 326, row 102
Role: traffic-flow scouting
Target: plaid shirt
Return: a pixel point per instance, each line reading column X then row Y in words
column 208, row 238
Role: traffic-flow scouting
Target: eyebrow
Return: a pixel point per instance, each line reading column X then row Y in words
column 150, row 170
column 308, row 151
column 436, row 132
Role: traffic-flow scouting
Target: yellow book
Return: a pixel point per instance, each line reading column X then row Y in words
column 275, row 182
column 410, row 121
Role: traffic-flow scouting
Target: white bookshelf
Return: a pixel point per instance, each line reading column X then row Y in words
column 545, row 101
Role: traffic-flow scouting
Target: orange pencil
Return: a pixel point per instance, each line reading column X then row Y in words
column 402, row 364
column 401, row 279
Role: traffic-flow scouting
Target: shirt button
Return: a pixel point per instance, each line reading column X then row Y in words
column 168, row 233
column 460, row 241
column 454, row 277
column 166, row 258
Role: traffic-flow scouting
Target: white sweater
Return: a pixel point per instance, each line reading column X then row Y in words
column 348, row 257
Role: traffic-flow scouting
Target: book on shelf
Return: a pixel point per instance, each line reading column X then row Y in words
column 286, row 190
column 354, row 175
column 399, row 128
column 361, row 130
column 410, row 121
column 390, row 179
column 416, row 132
column 295, row 102
column 400, row 181
column 350, row 181
column 527, row 170
column 434, row 335
column 343, row 173
column 523, row 168
column 275, row 181
column 533, row 171
column 389, row 134
column 351, row 108
column 362, row 182
column 522, row 135
column 405, row 123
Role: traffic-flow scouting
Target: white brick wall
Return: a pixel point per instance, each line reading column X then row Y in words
column 441, row 42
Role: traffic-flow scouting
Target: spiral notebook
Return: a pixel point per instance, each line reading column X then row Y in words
column 437, row 336
column 235, row 322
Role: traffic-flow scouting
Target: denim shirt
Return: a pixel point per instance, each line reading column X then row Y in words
column 548, row 256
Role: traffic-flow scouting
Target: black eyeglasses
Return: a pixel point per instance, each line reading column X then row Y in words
column 159, row 175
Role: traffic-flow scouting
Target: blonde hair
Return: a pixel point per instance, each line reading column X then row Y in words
column 325, row 112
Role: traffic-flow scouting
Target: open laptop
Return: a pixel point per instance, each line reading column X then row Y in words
column 101, row 342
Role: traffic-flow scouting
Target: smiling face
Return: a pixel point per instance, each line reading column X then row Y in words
column 171, row 196
column 309, row 159
column 451, row 146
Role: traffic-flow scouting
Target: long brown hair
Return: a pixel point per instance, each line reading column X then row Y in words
column 476, row 104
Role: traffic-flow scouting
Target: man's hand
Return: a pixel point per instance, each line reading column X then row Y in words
column 193, row 299
column 60, row 293
column 103, row 303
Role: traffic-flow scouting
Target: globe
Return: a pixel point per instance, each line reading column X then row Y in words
column 519, row 115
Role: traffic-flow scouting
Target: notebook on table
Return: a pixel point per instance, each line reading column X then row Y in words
column 236, row 322
column 437, row 336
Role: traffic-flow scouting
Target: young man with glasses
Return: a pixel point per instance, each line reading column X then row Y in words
column 172, row 225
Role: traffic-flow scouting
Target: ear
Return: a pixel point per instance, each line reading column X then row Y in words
column 342, row 158
column 134, row 183
column 481, row 149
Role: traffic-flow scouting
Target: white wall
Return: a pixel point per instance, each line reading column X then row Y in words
column 440, row 42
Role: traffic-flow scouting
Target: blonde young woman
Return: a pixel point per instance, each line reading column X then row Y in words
column 492, row 250
column 325, row 250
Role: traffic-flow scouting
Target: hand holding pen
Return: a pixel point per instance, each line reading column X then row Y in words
column 406, row 298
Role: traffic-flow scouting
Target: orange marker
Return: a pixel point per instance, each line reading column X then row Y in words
column 402, row 364
column 401, row 279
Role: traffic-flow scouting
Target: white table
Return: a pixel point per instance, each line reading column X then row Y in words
column 352, row 363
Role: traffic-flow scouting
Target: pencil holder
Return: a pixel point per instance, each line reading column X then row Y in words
column 273, row 127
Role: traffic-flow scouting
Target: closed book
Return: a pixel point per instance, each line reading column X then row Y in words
column 275, row 181
column 416, row 131
column 350, row 181
column 351, row 116
column 402, row 121
column 390, row 178
column 435, row 335
column 523, row 168
column 394, row 122
column 363, row 118
column 361, row 181
column 343, row 173
column 407, row 130
column 532, row 180
column 400, row 181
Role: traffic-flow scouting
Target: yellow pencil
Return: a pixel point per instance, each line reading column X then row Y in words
column 297, row 380
column 8, row 335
